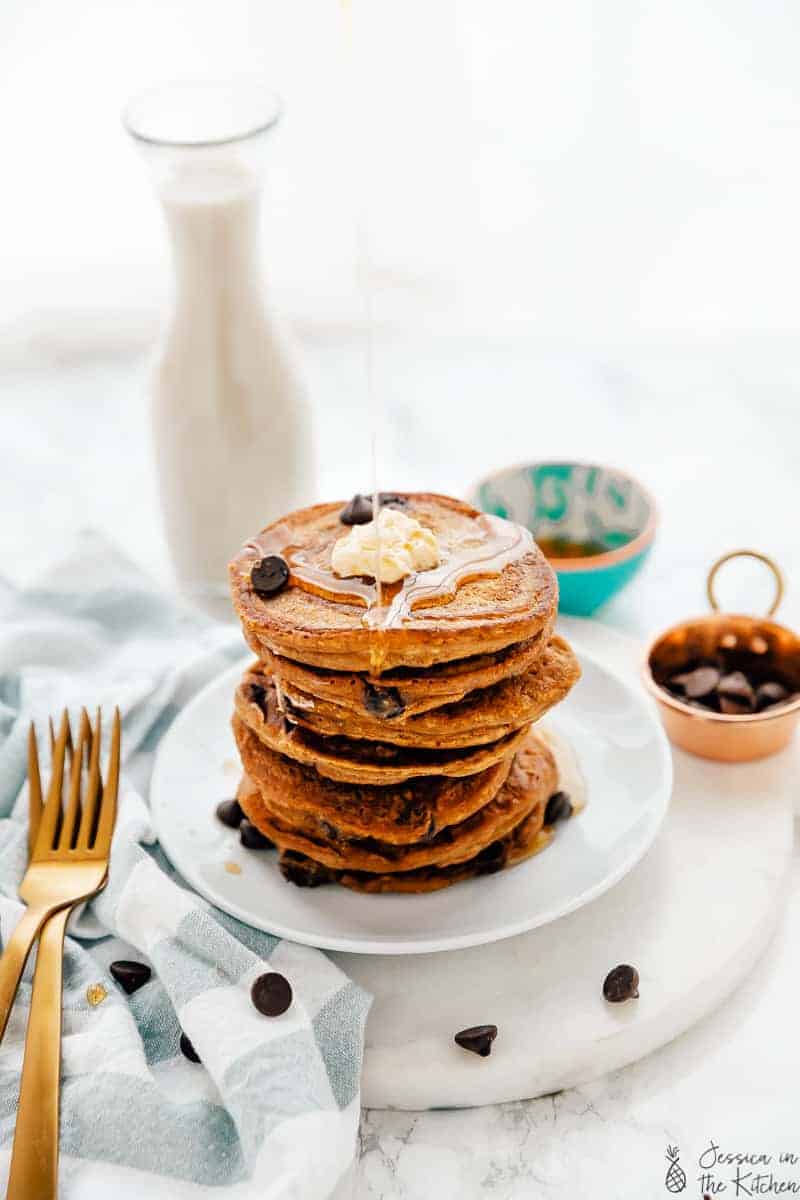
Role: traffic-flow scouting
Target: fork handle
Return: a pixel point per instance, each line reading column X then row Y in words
column 33, row 1174
column 15, row 955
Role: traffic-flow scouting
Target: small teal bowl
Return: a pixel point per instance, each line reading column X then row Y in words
column 579, row 503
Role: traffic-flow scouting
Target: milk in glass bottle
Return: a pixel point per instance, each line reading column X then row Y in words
column 231, row 421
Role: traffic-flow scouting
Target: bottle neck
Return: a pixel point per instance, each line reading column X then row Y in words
column 213, row 225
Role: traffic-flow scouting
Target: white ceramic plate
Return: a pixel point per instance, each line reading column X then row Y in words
column 623, row 755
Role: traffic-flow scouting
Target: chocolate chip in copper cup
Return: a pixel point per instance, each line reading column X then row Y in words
column 130, row 975
column 737, row 687
column 478, row 1039
column 357, row 511
column 696, row 684
column 252, row 838
column 229, row 812
column 269, row 576
column 730, row 706
column 188, row 1050
column 271, row 994
column 769, row 693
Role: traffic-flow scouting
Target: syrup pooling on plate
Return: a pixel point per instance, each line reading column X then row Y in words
column 503, row 543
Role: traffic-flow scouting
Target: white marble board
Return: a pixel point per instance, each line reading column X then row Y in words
column 693, row 917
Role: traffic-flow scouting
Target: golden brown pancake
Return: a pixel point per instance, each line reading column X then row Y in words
column 356, row 760
column 405, row 813
column 306, row 622
column 530, row 783
column 528, row 838
column 406, row 691
column 482, row 716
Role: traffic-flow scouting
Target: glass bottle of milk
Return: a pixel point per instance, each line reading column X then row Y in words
column 231, row 420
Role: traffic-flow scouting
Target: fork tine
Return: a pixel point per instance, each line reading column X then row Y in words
column 52, row 808
column 69, row 825
column 89, row 813
column 34, row 789
column 108, row 805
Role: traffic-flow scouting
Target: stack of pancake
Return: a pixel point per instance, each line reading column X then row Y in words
column 386, row 730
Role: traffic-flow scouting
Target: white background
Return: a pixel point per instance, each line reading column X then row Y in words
column 583, row 233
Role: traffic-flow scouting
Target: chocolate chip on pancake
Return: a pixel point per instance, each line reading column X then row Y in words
column 269, row 576
column 357, row 511
column 383, row 702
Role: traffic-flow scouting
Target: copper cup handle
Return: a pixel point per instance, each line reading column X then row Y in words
column 780, row 583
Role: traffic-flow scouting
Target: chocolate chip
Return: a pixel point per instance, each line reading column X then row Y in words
column 383, row 702
column 478, row 1039
column 492, row 858
column 252, row 838
column 731, row 706
column 559, row 808
column 258, row 694
column 130, row 975
column 230, row 813
column 697, row 683
column 269, row 576
column 770, row 693
column 271, row 994
column 358, row 511
column 736, row 686
column 302, row 871
column 188, row 1050
column 622, row 983
column 392, row 500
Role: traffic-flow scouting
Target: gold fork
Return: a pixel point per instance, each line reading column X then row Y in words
column 69, row 864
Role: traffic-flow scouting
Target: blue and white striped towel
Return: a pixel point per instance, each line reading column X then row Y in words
column 273, row 1109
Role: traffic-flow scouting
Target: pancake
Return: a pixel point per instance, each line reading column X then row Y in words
column 483, row 716
column 356, row 760
column 531, row 781
column 406, row 691
column 527, row 839
column 401, row 814
column 319, row 619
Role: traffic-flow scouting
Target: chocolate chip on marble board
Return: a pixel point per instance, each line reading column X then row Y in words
column 478, row 1039
column 269, row 576
column 357, row 511
column 252, row 838
column 383, row 702
column 559, row 808
column 188, row 1050
column 229, row 812
column 271, row 994
column 130, row 975
column 621, row 983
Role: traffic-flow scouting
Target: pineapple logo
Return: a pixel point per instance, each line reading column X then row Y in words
column 675, row 1180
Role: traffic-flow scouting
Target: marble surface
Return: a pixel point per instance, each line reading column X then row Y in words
column 711, row 428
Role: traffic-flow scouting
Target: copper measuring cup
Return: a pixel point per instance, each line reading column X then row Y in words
column 757, row 640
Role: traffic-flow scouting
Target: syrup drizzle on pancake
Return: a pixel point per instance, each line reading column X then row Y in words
column 504, row 543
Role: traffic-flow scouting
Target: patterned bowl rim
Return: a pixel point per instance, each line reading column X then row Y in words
column 595, row 561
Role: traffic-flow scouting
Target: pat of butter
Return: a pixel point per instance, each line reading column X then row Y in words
column 387, row 549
